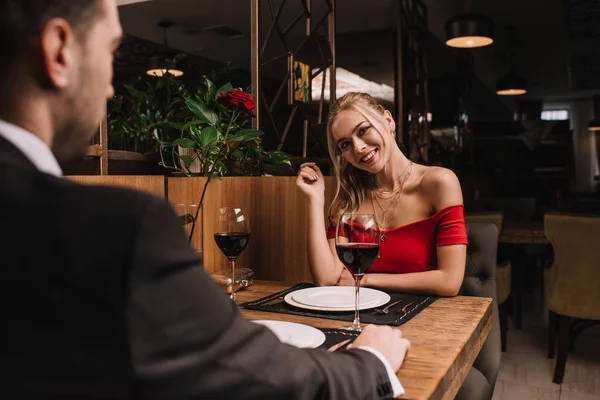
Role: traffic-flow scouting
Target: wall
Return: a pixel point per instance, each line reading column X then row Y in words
column 584, row 143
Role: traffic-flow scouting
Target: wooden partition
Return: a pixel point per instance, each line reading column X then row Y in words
column 147, row 183
column 278, row 220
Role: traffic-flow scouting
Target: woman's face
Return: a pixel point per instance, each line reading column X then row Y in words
column 360, row 143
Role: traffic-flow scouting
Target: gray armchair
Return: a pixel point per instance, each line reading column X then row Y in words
column 480, row 281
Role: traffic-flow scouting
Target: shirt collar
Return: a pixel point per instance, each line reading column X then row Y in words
column 32, row 146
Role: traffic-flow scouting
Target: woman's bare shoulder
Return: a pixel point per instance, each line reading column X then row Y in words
column 441, row 186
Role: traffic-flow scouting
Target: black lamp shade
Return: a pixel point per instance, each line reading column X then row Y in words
column 511, row 84
column 159, row 66
column 594, row 125
column 470, row 31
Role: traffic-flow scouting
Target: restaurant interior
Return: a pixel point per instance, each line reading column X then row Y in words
column 506, row 94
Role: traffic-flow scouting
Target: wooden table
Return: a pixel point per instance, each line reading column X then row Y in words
column 521, row 233
column 525, row 232
column 445, row 339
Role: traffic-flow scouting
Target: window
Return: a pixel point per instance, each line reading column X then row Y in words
column 555, row 115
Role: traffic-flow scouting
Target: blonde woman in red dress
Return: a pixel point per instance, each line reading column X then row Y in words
column 418, row 208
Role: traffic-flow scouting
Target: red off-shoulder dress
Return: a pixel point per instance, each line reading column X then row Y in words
column 412, row 247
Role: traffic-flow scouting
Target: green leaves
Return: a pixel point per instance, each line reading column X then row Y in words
column 201, row 112
column 245, row 135
column 175, row 125
column 279, row 157
column 187, row 160
column 184, row 142
column 225, row 88
column 194, row 132
column 210, row 90
column 209, row 136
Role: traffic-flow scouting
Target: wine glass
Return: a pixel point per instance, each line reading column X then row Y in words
column 357, row 246
column 232, row 233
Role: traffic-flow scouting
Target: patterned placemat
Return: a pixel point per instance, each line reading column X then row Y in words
column 335, row 336
column 408, row 306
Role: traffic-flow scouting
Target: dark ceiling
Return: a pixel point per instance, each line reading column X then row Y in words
column 555, row 46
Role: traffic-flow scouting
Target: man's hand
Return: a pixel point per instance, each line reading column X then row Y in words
column 386, row 340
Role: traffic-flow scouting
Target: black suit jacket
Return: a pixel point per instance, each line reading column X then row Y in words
column 101, row 297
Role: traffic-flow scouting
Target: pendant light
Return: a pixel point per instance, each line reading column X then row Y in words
column 594, row 125
column 510, row 84
column 160, row 64
column 469, row 30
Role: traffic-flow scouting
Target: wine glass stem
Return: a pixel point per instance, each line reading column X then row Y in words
column 356, row 324
column 232, row 295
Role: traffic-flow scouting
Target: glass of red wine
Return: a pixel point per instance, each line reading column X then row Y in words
column 232, row 233
column 357, row 247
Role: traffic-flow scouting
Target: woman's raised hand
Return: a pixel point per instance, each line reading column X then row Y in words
column 310, row 181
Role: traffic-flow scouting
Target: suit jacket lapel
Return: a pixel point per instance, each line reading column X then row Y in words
column 9, row 154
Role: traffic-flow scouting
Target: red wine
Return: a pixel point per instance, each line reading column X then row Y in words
column 232, row 243
column 357, row 257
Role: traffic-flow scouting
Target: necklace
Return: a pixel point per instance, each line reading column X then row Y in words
column 392, row 192
column 394, row 200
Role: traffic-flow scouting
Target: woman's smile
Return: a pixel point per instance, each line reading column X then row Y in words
column 370, row 157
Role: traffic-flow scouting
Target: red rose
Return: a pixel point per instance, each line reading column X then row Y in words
column 236, row 99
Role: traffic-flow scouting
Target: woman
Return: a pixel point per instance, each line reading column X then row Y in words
column 418, row 208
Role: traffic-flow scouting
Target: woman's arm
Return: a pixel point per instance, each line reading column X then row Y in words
column 444, row 281
column 324, row 265
column 442, row 187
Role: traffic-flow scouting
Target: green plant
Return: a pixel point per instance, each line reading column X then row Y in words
column 145, row 111
column 216, row 135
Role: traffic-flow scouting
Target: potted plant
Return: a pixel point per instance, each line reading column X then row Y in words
column 144, row 110
column 216, row 139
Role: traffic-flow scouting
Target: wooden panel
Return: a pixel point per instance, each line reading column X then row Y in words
column 100, row 149
column 94, row 150
column 147, row 183
column 104, row 146
column 445, row 339
column 278, row 220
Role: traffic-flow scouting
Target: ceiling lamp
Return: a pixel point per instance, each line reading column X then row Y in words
column 594, row 125
column 510, row 84
column 467, row 31
column 160, row 63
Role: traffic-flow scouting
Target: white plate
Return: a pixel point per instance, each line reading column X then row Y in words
column 298, row 335
column 336, row 298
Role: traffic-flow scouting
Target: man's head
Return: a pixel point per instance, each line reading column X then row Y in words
column 58, row 73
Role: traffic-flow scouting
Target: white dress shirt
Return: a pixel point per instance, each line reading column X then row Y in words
column 397, row 388
column 32, row 147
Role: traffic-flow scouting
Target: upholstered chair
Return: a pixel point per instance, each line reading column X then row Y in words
column 503, row 270
column 480, row 281
column 572, row 283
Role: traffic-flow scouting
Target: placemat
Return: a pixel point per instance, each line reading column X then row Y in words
column 409, row 306
column 335, row 336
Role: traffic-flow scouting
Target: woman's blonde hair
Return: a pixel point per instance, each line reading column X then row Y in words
column 352, row 183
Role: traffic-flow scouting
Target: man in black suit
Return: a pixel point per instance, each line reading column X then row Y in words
column 101, row 296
